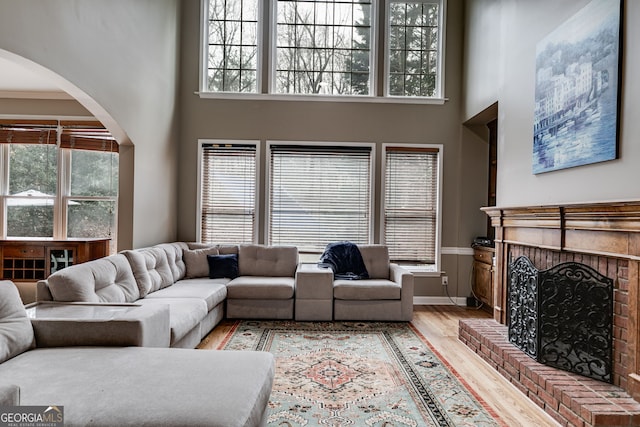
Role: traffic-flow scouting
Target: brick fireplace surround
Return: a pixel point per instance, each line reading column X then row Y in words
column 605, row 236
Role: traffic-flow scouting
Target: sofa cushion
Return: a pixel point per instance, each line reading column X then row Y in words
column 223, row 266
column 213, row 291
column 376, row 259
column 184, row 314
column 372, row 289
column 150, row 268
column 175, row 256
column 257, row 287
column 108, row 279
column 274, row 261
column 196, row 263
column 16, row 333
column 134, row 386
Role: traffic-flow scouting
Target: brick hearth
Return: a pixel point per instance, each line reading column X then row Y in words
column 570, row 399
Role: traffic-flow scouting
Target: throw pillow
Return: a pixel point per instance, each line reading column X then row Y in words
column 223, row 266
column 196, row 261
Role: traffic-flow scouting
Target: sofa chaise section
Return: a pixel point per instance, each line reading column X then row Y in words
column 195, row 305
column 147, row 276
column 130, row 386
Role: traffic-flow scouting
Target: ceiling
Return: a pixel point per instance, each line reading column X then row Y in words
column 17, row 81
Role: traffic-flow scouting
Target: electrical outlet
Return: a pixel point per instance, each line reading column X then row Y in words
column 445, row 280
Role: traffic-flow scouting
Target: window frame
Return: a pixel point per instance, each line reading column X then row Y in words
column 267, row 33
column 376, row 197
column 61, row 199
column 200, row 184
column 273, row 58
column 372, row 177
column 442, row 10
column 204, row 53
column 418, row 269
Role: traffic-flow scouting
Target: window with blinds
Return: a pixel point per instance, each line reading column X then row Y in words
column 318, row 195
column 228, row 193
column 62, row 179
column 411, row 203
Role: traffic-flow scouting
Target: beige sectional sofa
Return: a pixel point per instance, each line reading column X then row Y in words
column 270, row 284
column 176, row 275
column 128, row 386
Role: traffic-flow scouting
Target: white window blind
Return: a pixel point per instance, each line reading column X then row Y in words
column 318, row 195
column 411, row 203
column 228, row 193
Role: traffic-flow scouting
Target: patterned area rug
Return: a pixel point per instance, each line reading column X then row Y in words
column 358, row 374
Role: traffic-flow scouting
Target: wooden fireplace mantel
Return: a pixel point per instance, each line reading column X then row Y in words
column 604, row 232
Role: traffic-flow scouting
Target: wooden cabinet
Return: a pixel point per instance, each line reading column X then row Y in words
column 482, row 278
column 32, row 260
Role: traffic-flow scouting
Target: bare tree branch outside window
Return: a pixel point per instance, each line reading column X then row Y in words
column 323, row 47
column 233, row 46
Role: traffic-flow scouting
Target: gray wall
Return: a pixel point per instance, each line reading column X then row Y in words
column 118, row 58
column 500, row 49
column 122, row 59
column 330, row 121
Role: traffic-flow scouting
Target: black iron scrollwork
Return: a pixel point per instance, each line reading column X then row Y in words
column 563, row 316
column 523, row 306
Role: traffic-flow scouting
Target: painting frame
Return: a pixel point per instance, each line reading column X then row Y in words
column 577, row 89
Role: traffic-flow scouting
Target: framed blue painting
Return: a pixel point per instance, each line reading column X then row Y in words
column 577, row 90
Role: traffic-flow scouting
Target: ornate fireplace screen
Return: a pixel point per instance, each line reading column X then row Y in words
column 563, row 316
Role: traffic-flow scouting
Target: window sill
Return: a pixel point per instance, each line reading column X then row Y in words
column 422, row 270
column 322, row 98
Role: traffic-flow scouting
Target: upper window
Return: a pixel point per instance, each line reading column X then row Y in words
column 232, row 55
column 324, row 47
column 414, row 48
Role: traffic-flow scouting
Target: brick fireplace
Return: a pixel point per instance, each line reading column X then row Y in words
column 606, row 237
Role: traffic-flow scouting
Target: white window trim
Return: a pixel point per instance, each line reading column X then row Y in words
column 372, row 164
column 273, row 56
column 201, row 143
column 4, row 189
column 441, row 53
column 204, row 53
column 60, row 200
column 418, row 269
column 375, row 53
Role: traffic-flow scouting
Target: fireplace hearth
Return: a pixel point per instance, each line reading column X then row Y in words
column 562, row 316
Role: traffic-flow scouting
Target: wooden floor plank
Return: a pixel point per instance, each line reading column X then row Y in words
column 439, row 325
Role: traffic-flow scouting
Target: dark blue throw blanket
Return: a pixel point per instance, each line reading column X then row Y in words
column 345, row 260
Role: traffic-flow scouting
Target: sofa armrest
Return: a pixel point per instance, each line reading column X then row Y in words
column 43, row 293
column 314, row 282
column 9, row 395
column 314, row 293
column 404, row 277
column 74, row 324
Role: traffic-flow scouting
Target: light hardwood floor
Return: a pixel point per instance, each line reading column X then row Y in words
column 439, row 325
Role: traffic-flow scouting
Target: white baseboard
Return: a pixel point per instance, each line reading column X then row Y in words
column 440, row 301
